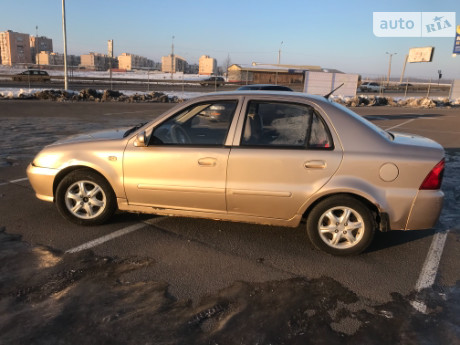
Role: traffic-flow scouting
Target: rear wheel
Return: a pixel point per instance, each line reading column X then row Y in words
column 85, row 198
column 341, row 225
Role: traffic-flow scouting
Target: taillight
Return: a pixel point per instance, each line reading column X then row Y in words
column 434, row 179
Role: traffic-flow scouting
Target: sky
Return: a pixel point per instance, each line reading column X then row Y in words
column 328, row 33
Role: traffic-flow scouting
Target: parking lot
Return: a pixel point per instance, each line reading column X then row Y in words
column 198, row 258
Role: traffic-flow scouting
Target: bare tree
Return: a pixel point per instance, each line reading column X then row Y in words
column 226, row 64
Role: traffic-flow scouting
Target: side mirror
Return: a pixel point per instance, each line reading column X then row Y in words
column 140, row 140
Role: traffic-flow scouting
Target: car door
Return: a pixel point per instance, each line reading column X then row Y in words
column 285, row 154
column 184, row 165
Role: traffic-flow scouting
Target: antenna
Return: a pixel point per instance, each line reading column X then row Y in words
column 330, row 93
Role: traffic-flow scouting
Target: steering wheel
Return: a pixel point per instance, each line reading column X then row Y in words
column 179, row 135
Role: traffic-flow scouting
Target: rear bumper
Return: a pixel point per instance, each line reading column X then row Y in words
column 426, row 210
column 42, row 180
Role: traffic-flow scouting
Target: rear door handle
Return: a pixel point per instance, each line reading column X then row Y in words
column 207, row 162
column 315, row 165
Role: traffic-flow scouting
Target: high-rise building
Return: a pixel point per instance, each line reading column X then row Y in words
column 208, row 65
column 39, row 44
column 14, row 48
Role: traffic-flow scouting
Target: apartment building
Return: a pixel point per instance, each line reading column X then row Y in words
column 97, row 62
column 56, row 59
column 39, row 44
column 130, row 61
column 49, row 58
column 207, row 65
column 173, row 63
column 14, row 48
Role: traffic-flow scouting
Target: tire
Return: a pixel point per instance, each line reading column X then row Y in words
column 94, row 194
column 341, row 225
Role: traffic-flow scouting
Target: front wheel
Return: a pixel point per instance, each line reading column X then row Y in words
column 85, row 198
column 341, row 225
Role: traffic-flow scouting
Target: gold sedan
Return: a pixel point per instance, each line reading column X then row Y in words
column 262, row 157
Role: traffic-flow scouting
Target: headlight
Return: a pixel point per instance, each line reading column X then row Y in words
column 46, row 160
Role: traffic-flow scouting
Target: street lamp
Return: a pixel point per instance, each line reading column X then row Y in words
column 37, row 50
column 279, row 53
column 389, row 67
column 279, row 59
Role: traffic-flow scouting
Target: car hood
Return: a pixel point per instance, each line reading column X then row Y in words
column 116, row 133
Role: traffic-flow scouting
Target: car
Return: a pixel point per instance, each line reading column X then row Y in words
column 276, row 158
column 217, row 81
column 371, row 87
column 403, row 86
column 32, row 75
column 267, row 87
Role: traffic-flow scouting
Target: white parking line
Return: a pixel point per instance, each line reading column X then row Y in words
column 14, row 181
column 113, row 235
column 19, row 180
column 126, row 112
column 430, row 268
column 106, row 238
column 401, row 124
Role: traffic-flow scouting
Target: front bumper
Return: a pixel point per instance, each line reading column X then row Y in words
column 42, row 180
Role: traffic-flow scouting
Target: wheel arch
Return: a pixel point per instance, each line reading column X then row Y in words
column 381, row 218
column 64, row 172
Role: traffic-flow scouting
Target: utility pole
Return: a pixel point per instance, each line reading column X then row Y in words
column 389, row 67
column 110, row 53
column 64, row 33
column 404, row 69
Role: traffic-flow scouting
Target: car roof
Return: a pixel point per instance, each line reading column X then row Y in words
column 261, row 86
column 292, row 96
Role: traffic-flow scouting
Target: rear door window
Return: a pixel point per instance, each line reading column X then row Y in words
column 289, row 125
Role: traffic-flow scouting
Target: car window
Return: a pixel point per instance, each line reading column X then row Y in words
column 201, row 124
column 284, row 125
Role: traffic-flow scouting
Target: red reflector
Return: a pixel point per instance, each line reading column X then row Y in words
column 434, row 179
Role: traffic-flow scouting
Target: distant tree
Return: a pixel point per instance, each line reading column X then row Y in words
column 227, row 63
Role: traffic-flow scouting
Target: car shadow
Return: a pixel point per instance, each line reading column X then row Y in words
column 394, row 238
column 124, row 217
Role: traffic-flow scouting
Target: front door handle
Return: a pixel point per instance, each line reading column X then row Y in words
column 315, row 165
column 207, row 162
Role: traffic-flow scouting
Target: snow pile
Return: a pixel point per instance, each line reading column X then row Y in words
column 90, row 95
column 413, row 102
